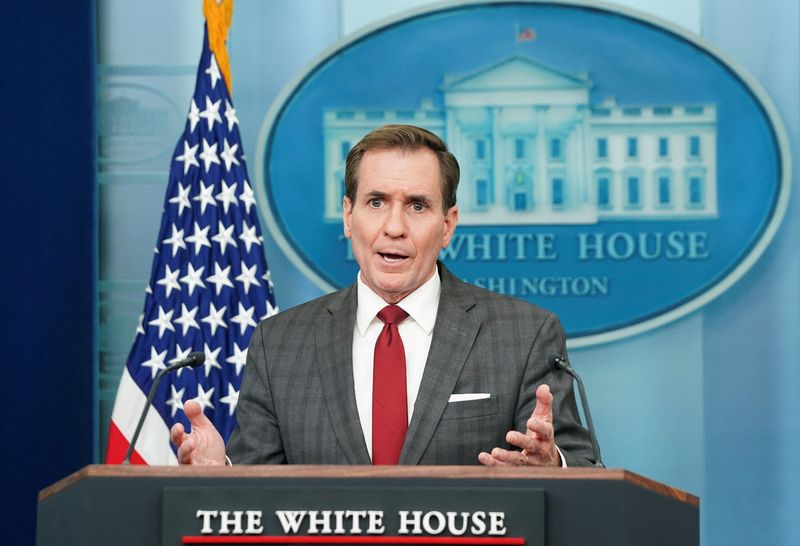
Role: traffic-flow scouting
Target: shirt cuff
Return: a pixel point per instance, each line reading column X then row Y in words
column 563, row 460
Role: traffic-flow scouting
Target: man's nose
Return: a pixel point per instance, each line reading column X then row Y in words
column 396, row 224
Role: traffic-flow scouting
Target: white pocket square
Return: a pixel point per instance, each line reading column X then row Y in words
column 468, row 396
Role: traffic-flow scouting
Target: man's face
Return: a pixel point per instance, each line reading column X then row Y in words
column 396, row 223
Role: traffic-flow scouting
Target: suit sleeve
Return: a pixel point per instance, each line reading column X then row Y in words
column 257, row 438
column 571, row 438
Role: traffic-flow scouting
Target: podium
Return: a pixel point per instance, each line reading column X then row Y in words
column 135, row 505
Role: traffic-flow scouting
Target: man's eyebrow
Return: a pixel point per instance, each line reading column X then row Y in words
column 414, row 198
column 424, row 199
column 375, row 194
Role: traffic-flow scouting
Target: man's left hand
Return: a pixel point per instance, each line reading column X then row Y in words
column 537, row 445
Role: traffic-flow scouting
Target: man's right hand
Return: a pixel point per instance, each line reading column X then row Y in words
column 204, row 445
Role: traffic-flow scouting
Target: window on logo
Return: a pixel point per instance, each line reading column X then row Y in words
column 634, row 197
column 519, row 192
column 602, row 148
column 519, row 148
column 556, row 149
column 695, row 193
column 664, row 190
column 557, row 192
column 481, row 193
column 520, row 201
column 603, row 192
column 633, row 147
column 663, row 147
column 480, row 149
column 694, row 147
column 603, row 188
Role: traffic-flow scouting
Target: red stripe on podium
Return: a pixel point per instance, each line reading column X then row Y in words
column 304, row 539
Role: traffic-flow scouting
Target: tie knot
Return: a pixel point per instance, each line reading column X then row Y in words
column 392, row 314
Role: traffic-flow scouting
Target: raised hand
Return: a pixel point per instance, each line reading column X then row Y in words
column 537, row 445
column 204, row 445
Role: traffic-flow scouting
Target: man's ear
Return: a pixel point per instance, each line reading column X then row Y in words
column 347, row 215
column 450, row 223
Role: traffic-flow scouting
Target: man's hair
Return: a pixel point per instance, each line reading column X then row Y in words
column 406, row 138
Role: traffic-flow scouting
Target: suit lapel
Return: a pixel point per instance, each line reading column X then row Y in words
column 453, row 335
column 334, row 342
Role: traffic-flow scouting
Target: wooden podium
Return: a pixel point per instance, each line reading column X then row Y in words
column 134, row 505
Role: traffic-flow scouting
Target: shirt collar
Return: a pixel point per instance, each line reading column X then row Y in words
column 421, row 304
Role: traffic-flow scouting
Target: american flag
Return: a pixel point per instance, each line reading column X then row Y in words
column 525, row 34
column 209, row 284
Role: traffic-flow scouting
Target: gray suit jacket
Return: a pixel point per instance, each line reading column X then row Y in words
column 297, row 402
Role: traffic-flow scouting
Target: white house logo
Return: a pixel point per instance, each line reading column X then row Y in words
column 534, row 150
column 615, row 171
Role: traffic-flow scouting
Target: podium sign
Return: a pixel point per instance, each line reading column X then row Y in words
column 171, row 506
column 354, row 512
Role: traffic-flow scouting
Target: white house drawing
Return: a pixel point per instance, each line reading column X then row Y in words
column 533, row 150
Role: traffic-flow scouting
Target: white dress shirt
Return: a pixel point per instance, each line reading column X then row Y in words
column 416, row 331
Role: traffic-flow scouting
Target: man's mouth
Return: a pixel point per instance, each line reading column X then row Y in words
column 392, row 258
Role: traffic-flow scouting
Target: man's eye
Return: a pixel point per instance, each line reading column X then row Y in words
column 417, row 207
column 375, row 203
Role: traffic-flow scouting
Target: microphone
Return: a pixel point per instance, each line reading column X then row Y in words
column 194, row 360
column 561, row 363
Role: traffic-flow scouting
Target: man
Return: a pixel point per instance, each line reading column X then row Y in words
column 409, row 365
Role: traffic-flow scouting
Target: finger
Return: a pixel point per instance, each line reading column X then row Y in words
column 531, row 445
column 540, row 430
column 194, row 412
column 544, row 404
column 520, row 440
column 539, row 453
column 176, row 434
column 509, row 458
column 488, row 459
column 542, row 437
column 186, row 450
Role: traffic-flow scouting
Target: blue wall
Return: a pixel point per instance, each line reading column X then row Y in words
column 47, row 300
column 752, row 347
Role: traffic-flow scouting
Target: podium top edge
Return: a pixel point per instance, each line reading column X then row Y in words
column 368, row 471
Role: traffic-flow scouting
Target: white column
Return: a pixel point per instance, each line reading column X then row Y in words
column 540, row 180
column 584, row 174
column 498, row 160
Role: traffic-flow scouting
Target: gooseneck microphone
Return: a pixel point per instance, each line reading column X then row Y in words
column 562, row 364
column 193, row 360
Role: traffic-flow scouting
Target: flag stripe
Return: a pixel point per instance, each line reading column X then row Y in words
column 153, row 444
column 118, row 447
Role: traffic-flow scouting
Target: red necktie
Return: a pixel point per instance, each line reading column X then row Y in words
column 389, row 406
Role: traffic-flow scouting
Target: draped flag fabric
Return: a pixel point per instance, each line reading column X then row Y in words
column 209, row 284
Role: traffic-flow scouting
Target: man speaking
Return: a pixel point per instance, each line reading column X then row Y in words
column 409, row 365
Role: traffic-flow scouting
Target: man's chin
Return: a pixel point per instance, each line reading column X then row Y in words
column 392, row 287
column 392, row 290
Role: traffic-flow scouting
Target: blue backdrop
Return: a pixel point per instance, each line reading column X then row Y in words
column 709, row 403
